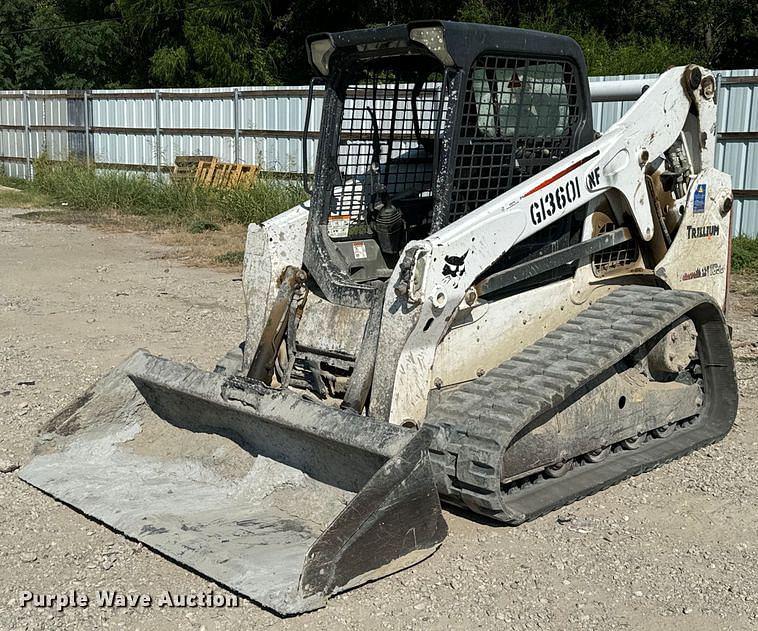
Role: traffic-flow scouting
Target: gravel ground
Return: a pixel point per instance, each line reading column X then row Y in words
column 673, row 549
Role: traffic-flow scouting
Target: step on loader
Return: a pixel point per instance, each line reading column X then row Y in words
column 484, row 302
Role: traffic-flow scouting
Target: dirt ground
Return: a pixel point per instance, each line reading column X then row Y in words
column 673, row 549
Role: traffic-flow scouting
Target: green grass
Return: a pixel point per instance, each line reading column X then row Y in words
column 233, row 257
column 13, row 182
column 17, row 193
column 201, row 225
column 198, row 209
column 744, row 255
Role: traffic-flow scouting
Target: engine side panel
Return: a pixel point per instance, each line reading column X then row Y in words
column 485, row 335
column 698, row 259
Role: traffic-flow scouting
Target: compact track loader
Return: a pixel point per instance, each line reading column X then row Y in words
column 483, row 302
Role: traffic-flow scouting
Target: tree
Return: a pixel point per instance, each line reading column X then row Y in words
column 183, row 43
column 144, row 43
column 46, row 54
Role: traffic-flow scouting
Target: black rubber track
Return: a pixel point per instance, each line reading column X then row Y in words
column 479, row 420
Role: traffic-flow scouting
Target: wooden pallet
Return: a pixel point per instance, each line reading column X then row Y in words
column 186, row 167
column 209, row 171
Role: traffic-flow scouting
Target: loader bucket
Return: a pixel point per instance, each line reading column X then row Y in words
column 281, row 499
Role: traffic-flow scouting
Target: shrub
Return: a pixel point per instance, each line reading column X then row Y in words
column 744, row 254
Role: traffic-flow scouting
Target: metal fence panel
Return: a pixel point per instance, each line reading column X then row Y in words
column 737, row 151
column 12, row 135
column 145, row 130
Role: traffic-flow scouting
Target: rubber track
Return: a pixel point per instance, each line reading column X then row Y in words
column 479, row 420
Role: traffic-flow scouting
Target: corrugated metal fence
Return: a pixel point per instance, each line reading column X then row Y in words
column 138, row 130
column 147, row 129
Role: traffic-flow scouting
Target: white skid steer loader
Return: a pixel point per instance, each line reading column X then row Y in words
column 483, row 302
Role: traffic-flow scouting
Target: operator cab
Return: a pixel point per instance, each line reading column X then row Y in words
column 422, row 124
column 390, row 121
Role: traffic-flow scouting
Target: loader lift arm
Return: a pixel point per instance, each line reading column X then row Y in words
column 613, row 166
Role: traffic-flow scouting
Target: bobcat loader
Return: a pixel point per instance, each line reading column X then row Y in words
column 484, row 302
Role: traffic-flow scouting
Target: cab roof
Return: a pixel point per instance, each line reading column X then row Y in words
column 463, row 43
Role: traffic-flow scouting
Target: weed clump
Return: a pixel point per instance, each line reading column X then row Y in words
column 197, row 208
column 745, row 255
column 233, row 257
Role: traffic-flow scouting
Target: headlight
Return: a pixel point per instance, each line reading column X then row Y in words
column 321, row 51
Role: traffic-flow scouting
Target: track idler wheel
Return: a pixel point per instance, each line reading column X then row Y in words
column 559, row 469
column 665, row 431
column 598, row 455
column 633, row 443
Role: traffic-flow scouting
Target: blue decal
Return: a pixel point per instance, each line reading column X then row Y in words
column 699, row 201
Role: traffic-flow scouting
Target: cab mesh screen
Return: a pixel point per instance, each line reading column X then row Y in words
column 519, row 117
column 386, row 144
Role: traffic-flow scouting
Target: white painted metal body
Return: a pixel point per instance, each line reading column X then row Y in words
column 613, row 166
column 445, row 339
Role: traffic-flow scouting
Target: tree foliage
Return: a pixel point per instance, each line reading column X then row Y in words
column 55, row 57
column 143, row 43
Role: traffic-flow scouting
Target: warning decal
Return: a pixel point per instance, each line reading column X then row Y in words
column 699, row 199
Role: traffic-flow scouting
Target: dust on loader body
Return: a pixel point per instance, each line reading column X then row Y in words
column 483, row 302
